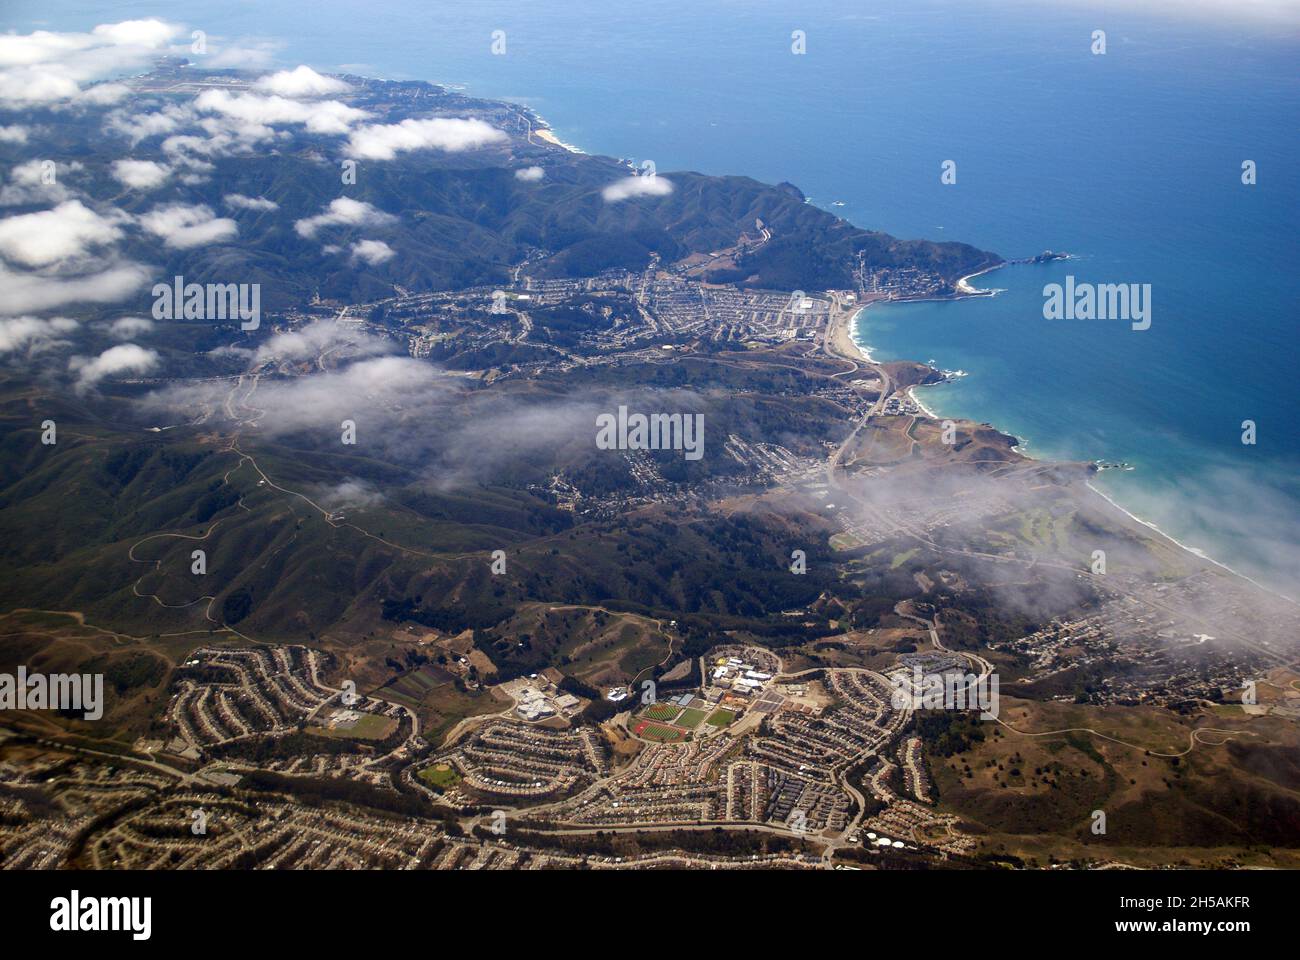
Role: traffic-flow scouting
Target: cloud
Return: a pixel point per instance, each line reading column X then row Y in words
column 31, row 86
column 28, row 184
column 189, row 151
column 102, row 95
column 301, row 82
column 34, row 334
column 385, row 141
column 124, row 358
column 150, row 33
column 307, row 343
column 140, row 174
column 366, row 378
column 258, row 112
column 126, row 328
column 376, row 392
column 13, row 134
column 350, row 493
column 184, row 226
column 26, row 292
column 242, row 54
column 238, row 201
column 635, row 186
column 49, row 237
column 373, row 252
column 344, row 212
column 44, row 67
column 530, row 174
column 141, row 126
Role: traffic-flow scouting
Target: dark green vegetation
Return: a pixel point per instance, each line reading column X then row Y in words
column 465, row 219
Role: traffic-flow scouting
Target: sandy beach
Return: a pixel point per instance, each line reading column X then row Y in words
column 842, row 340
column 841, row 335
column 544, row 133
column 966, row 289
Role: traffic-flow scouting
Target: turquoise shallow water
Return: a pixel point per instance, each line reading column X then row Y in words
column 1130, row 160
column 1162, row 400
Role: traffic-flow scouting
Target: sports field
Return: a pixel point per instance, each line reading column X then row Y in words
column 690, row 718
column 660, row 711
column 721, row 718
column 440, row 775
column 658, row 731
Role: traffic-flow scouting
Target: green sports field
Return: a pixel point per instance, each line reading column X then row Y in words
column 661, row 711
column 690, row 718
column 440, row 776
column 721, row 718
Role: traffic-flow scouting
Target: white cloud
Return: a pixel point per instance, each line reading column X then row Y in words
column 137, row 126
column 124, row 358
column 28, row 183
column 373, row 252
column 124, row 328
column 44, row 67
column 48, row 237
column 188, row 151
column 184, row 225
column 344, row 212
column 13, row 134
column 27, row 292
column 31, row 86
column 301, row 82
column 140, row 174
column 530, row 174
column 383, row 384
column 32, row 335
column 238, row 201
column 352, row 493
column 103, row 95
column 307, row 343
column 151, row 33
column 241, row 55
column 635, row 186
column 318, row 116
column 385, row 141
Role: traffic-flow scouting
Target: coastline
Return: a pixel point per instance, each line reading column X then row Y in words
column 547, row 134
column 845, row 338
column 1194, row 551
column 965, row 289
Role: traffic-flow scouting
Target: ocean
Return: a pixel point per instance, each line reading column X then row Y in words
column 1130, row 161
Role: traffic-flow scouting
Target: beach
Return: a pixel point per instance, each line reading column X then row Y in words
column 844, row 336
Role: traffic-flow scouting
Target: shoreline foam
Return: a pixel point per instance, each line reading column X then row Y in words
column 1194, row 551
column 1023, row 444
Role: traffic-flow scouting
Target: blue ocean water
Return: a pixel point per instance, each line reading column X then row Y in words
column 1130, row 160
